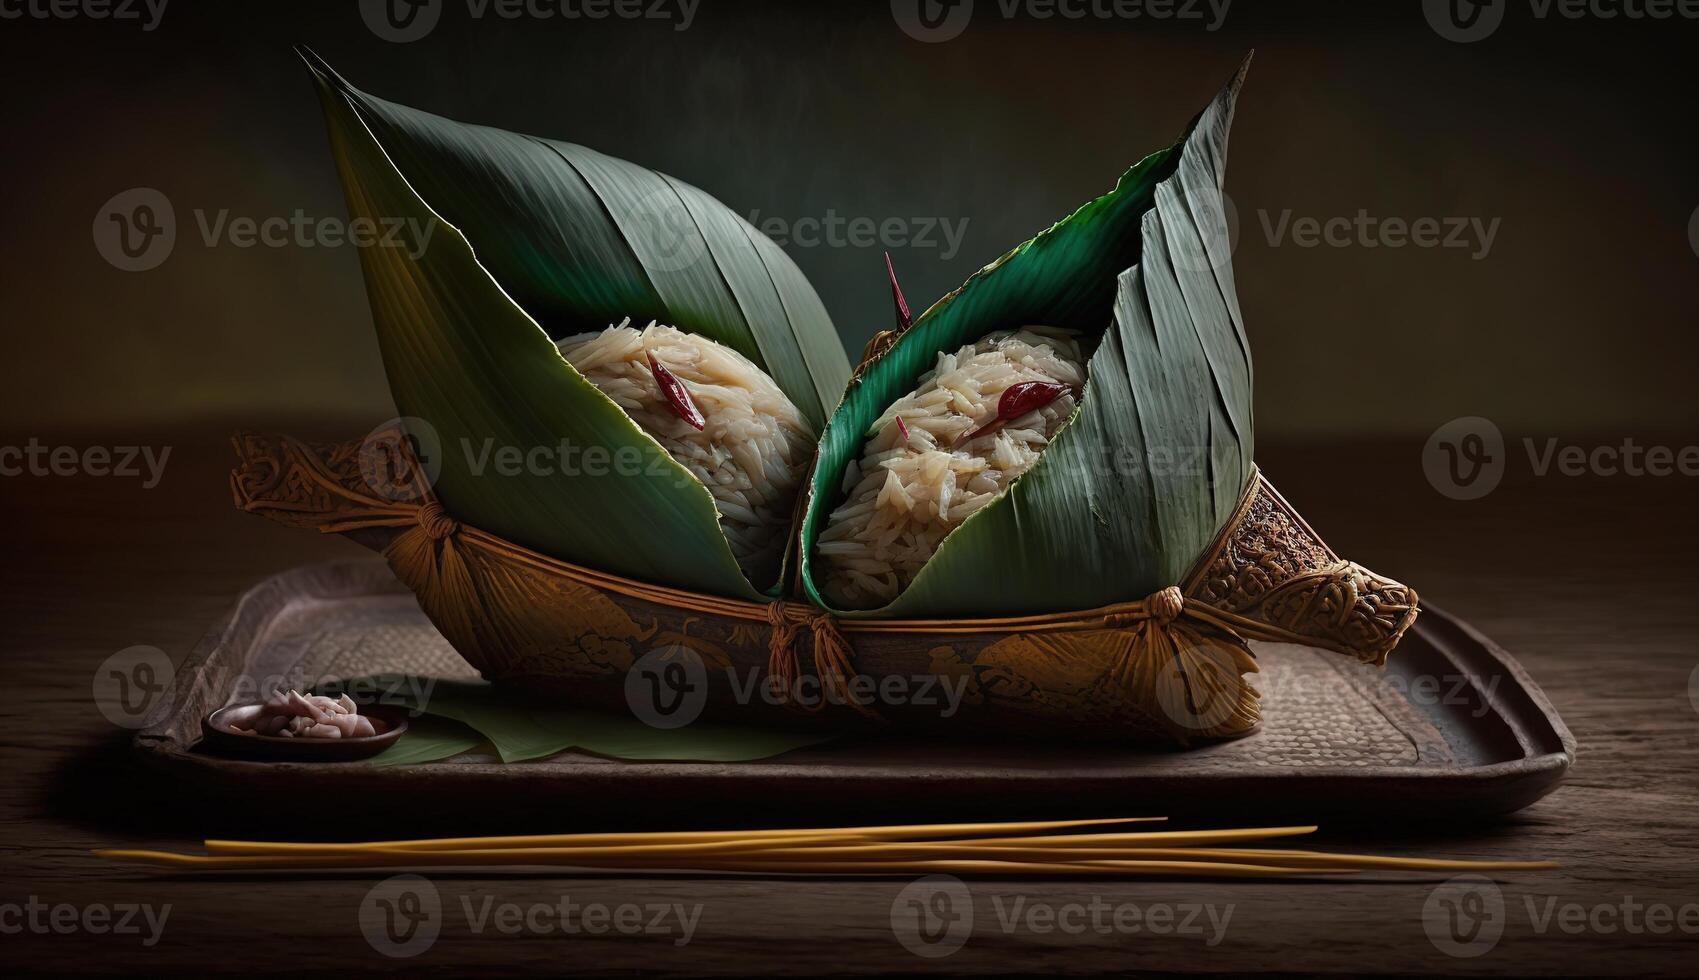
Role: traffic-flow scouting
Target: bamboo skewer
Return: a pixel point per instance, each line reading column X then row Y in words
column 1029, row 848
column 890, row 832
column 392, row 859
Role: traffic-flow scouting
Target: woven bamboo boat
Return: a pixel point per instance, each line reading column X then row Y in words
column 1171, row 668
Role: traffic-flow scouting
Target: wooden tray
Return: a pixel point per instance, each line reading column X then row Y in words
column 1452, row 728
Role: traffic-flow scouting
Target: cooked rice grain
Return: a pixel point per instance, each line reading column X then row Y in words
column 904, row 496
column 752, row 450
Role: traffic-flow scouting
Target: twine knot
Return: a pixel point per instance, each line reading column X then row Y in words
column 436, row 522
column 833, row 659
column 1165, row 606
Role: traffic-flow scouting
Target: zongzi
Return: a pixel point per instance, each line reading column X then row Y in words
column 977, row 421
column 719, row 416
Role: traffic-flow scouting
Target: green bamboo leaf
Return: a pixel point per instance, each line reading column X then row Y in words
column 429, row 739
column 580, row 240
column 1137, row 484
column 522, row 731
column 464, row 356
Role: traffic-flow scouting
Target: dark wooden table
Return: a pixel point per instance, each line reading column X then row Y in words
column 1590, row 581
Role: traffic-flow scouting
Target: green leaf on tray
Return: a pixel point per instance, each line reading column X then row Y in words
column 520, row 730
column 429, row 739
column 532, row 238
column 1140, row 480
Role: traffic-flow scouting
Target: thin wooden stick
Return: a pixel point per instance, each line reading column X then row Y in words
column 1160, row 838
column 890, row 832
column 415, row 858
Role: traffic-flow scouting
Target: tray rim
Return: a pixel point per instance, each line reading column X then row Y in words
column 1549, row 747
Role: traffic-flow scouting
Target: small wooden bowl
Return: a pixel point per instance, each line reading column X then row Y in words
column 278, row 748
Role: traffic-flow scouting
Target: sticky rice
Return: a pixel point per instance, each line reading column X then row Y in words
column 753, row 445
column 930, row 462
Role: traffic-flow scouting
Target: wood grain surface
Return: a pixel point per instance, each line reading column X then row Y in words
column 1586, row 580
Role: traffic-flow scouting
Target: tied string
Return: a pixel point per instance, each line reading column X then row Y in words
column 1185, row 664
column 834, row 661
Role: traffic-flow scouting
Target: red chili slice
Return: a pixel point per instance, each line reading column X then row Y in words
column 1017, row 400
column 1027, row 396
column 678, row 396
column 901, row 427
column 904, row 318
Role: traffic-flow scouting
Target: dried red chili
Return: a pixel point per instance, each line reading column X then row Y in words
column 904, row 318
column 1027, row 396
column 678, row 396
column 1017, row 400
column 901, row 427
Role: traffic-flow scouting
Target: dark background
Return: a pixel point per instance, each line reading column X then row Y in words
column 1576, row 135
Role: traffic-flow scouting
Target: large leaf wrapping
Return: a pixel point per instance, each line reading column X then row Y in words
column 1141, row 479
column 464, row 357
column 536, row 238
